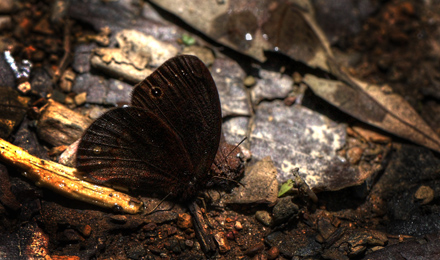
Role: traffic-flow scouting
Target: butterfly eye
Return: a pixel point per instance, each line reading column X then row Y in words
column 156, row 92
column 97, row 149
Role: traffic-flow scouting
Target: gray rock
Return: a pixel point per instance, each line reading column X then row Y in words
column 118, row 92
column 81, row 58
column 95, row 86
column 228, row 76
column 297, row 137
column 272, row 85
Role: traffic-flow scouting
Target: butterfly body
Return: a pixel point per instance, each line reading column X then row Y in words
column 165, row 141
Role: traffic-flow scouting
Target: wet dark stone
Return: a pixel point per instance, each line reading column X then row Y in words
column 284, row 210
column 7, row 78
column 410, row 167
column 26, row 138
column 41, row 82
column 81, row 59
column 418, row 224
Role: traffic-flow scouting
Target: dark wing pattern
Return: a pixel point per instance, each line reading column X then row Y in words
column 133, row 147
column 183, row 94
column 167, row 140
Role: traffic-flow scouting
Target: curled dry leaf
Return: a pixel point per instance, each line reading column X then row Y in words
column 63, row 180
column 369, row 104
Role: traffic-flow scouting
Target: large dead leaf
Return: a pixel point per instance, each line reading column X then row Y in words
column 252, row 27
column 370, row 104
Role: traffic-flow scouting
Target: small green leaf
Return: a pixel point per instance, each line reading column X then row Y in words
column 188, row 40
column 286, row 187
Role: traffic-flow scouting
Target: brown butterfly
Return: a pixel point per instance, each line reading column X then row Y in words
column 165, row 141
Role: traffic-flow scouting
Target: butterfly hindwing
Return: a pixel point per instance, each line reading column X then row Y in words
column 131, row 146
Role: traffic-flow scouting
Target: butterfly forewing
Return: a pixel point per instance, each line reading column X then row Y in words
column 183, row 93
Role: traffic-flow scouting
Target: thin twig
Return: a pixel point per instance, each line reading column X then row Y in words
column 67, row 52
column 64, row 180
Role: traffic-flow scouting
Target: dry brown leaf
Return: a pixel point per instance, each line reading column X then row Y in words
column 369, row 104
column 252, row 27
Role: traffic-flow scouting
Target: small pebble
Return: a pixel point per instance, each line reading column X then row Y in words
column 66, row 80
column 273, row 253
column 58, row 96
column 263, row 217
column 189, row 243
column 222, row 242
column 184, row 221
column 69, row 101
column 297, row 78
column 249, row 81
column 6, row 6
column 149, row 227
column 81, row 98
column 86, row 230
column 230, row 235
column 290, row 100
column 5, row 22
column 120, row 219
column 386, row 89
column 354, row 155
column 238, row 225
column 424, row 193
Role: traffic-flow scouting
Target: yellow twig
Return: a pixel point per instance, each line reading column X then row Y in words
column 63, row 180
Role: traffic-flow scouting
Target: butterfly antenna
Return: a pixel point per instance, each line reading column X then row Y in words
column 244, row 139
column 151, row 211
column 223, row 178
